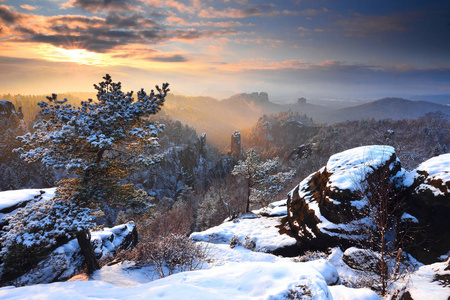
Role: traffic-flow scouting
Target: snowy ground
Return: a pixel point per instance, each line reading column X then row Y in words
column 233, row 273
column 17, row 198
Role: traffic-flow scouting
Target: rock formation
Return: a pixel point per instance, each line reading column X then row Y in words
column 327, row 208
column 236, row 144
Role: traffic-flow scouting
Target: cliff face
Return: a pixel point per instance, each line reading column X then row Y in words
column 329, row 208
column 429, row 200
column 326, row 209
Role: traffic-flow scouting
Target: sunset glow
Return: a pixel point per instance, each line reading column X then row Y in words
column 316, row 49
column 78, row 56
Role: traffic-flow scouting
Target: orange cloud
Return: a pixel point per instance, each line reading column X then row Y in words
column 28, row 7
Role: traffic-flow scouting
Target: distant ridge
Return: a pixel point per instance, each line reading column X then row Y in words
column 387, row 108
column 439, row 99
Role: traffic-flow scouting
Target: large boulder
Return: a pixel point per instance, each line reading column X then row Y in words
column 67, row 260
column 429, row 200
column 326, row 208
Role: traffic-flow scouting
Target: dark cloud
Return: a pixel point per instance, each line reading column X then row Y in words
column 134, row 20
column 252, row 11
column 90, row 43
column 8, row 16
column 196, row 34
column 366, row 25
column 99, row 34
column 92, row 21
column 107, row 5
column 172, row 58
column 153, row 35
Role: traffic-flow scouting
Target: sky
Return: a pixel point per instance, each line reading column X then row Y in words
column 288, row 48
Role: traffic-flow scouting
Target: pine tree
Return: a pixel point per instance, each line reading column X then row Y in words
column 101, row 142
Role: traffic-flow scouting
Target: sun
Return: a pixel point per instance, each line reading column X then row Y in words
column 76, row 55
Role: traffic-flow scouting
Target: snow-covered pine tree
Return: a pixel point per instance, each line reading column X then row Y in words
column 100, row 142
column 263, row 184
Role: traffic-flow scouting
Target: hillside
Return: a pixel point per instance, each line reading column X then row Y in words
column 386, row 108
column 258, row 256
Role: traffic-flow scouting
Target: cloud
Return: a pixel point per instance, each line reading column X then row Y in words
column 313, row 12
column 99, row 34
column 295, row 64
column 171, row 58
column 134, row 20
column 90, row 43
column 236, row 13
column 9, row 16
column 28, row 7
column 176, row 21
column 104, row 5
column 365, row 25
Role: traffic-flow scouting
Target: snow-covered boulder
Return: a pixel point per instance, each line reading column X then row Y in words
column 10, row 201
column 324, row 210
column 361, row 259
column 67, row 260
column 327, row 208
column 429, row 201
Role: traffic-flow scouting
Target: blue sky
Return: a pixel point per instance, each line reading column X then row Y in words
column 291, row 48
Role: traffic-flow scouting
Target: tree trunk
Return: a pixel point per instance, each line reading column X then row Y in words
column 84, row 240
column 247, row 209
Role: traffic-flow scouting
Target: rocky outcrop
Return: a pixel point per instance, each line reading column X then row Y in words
column 325, row 209
column 67, row 260
column 7, row 109
column 203, row 144
column 236, row 144
column 361, row 259
column 429, row 200
column 328, row 208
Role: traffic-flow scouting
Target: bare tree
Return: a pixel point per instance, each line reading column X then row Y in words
column 262, row 184
column 388, row 231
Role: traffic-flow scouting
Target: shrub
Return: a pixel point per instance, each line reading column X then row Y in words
column 170, row 254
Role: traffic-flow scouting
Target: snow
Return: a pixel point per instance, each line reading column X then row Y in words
column 12, row 198
column 233, row 274
column 229, row 273
column 351, row 166
column 437, row 167
column 345, row 293
column 424, row 286
column 249, row 280
column 66, row 260
column 274, row 209
column 263, row 230
column 407, row 216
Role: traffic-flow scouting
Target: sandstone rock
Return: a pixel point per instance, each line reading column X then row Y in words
column 325, row 209
column 429, row 200
column 66, row 261
column 236, row 144
column 361, row 259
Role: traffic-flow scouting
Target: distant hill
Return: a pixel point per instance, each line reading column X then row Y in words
column 386, row 108
column 440, row 99
column 219, row 119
